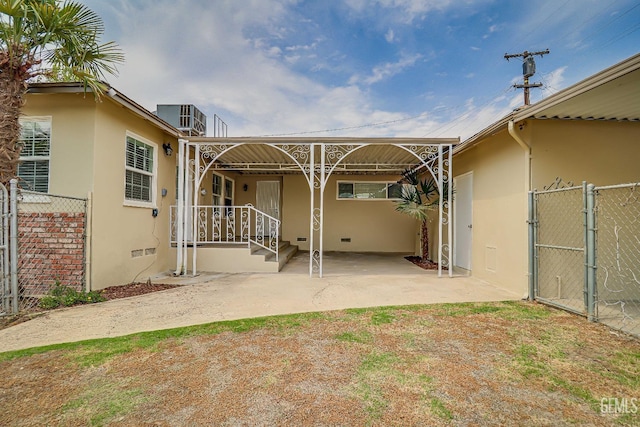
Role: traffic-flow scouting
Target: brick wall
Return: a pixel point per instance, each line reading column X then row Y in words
column 50, row 249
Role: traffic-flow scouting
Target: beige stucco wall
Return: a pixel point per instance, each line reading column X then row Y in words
column 499, row 243
column 88, row 156
column 72, row 130
column 119, row 230
column 601, row 153
column 372, row 225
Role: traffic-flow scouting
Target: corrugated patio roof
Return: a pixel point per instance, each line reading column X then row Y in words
column 377, row 155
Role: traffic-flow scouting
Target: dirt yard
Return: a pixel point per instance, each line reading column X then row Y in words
column 465, row 364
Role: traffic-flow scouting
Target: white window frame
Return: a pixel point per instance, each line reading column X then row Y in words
column 37, row 198
column 224, row 190
column 220, row 195
column 153, row 174
column 386, row 198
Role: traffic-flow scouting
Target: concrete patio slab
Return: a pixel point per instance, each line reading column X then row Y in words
column 350, row 281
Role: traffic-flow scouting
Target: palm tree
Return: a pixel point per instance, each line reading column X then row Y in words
column 46, row 39
column 417, row 200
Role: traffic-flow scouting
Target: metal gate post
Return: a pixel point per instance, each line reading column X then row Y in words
column 533, row 278
column 591, row 253
column 13, row 243
column 585, row 222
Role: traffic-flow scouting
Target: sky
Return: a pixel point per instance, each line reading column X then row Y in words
column 363, row 68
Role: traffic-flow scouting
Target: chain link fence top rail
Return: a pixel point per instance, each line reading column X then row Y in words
column 560, row 248
column 618, row 256
column 51, row 244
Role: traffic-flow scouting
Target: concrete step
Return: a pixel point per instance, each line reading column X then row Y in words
column 285, row 250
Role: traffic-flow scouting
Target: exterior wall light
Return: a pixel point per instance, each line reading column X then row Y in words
column 167, row 149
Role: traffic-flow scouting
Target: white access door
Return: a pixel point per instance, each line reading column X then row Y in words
column 463, row 220
column 268, row 198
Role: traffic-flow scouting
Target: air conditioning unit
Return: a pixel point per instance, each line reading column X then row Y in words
column 185, row 117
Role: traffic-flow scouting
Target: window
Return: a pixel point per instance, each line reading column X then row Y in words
column 35, row 139
column 368, row 190
column 216, row 190
column 139, row 172
column 228, row 192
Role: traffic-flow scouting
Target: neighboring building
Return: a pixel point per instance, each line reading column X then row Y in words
column 110, row 151
column 587, row 132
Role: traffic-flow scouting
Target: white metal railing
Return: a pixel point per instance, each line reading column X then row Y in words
column 229, row 225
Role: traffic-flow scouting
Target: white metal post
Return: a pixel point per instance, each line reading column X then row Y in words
column 321, row 219
column 196, row 194
column 440, row 205
column 187, row 207
column 180, row 210
column 449, row 205
column 312, row 181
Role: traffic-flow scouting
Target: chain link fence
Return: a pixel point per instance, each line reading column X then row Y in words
column 585, row 252
column 51, row 234
column 617, row 212
column 560, row 248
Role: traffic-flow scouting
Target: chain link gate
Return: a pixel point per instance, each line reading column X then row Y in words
column 584, row 252
column 559, row 248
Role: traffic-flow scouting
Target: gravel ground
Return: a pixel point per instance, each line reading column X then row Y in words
column 472, row 364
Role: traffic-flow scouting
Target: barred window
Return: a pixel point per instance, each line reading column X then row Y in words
column 35, row 140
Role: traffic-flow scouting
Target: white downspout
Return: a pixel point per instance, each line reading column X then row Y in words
column 527, row 174
column 180, row 210
column 527, row 148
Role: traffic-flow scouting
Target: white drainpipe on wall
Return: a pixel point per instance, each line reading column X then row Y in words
column 180, row 262
column 527, row 158
column 527, row 179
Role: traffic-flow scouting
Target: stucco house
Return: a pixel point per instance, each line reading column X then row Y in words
column 188, row 210
column 111, row 152
column 587, row 132
column 152, row 210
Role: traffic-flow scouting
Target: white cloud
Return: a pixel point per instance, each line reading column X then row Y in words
column 387, row 70
column 389, row 36
column 211, row 59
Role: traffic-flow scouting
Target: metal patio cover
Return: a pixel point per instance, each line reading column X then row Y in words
column 317, row 159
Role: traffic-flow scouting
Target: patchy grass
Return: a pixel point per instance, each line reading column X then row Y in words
column 511, row 363
column 101, row 402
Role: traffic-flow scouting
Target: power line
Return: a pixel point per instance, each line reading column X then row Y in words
column 350, row 127
column 453, row 122
column 528, row 70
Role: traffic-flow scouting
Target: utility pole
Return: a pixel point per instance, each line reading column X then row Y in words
column 528, row 70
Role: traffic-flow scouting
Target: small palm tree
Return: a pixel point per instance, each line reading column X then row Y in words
column 46, row 39
column 417, row 200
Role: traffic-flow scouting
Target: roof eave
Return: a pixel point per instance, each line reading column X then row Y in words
column 111, row 94
column 604, row 76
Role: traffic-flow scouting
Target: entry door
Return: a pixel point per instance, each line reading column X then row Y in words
column 268, row 198
column 463, row 220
